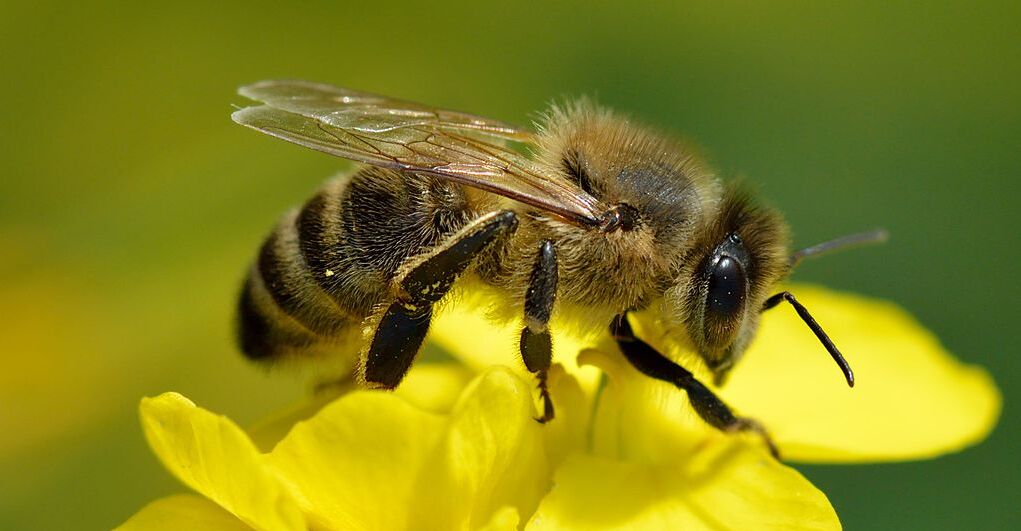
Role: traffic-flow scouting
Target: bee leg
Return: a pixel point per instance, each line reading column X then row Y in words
column 708, row 406
column 423, row 282
column 536, row 344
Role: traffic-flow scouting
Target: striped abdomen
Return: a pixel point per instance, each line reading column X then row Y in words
column 324, row 268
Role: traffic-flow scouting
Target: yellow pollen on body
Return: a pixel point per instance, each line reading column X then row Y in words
column 329, row 272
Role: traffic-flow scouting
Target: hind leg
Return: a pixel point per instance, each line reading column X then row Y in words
column 403, row 324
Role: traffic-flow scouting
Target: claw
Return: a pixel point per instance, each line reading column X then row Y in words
column 746, row 424
column 547, row 404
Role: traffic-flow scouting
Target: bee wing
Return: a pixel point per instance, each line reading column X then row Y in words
column 408, row 136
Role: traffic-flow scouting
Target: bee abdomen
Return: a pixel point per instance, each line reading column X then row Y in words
column 282, row 307
column 333, row 259
column 264, row 330
column 293, row 285
column 326, row 267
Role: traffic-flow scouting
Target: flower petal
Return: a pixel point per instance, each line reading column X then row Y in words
column 724, row 486
column 183, row 511
column 639, row 419
column 911, row 398
column 506, row 519
column 433, row 387
column 354, row 463
column 491, row 456
column 569, row 430
column 212, row 455
column 267, row 432
column 469, row 335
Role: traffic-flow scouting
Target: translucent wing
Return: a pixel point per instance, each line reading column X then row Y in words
column 408, row 136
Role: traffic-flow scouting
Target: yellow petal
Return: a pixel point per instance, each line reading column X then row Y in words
column 490, row 456
column 911, row 398
column 724, row 486
column 479, row 342
column 183, row 511
column 355, row 462
column 212, row 455
column 267, row 432
column 468, row 334
column 639, row 419
column 569, row 430
column 506, row 519
column 433, row 387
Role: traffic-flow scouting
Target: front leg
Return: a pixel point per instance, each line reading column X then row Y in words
column 708, row 406
column 536, row 344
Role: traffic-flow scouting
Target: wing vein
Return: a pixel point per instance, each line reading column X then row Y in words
column 407, row 136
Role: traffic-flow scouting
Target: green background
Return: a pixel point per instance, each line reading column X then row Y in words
column 130, row 205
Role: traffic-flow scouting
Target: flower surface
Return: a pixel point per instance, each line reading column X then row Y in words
column 456, row 446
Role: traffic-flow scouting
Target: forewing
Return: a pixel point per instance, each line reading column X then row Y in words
column 362, row 111
column 411, row 137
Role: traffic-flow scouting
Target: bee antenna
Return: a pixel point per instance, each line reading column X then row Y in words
column 839, row 244
column 816, row 329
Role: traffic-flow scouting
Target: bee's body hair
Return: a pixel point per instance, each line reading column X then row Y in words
column 325, row 268
column 328, row 272
column 605, row 218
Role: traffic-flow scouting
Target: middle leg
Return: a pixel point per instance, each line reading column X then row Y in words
column 536, row 344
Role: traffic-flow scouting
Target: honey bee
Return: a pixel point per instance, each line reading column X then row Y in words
column 602, row 217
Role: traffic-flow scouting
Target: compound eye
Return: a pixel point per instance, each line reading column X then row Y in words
column 727, row 286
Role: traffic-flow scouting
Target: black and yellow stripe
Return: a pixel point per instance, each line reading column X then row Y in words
column 325, row 267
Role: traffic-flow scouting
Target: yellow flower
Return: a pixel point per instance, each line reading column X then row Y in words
column 453, row 450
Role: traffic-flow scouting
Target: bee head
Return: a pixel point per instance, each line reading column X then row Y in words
column 729, row 275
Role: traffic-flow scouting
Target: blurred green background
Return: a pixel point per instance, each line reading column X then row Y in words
column 130, row 205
